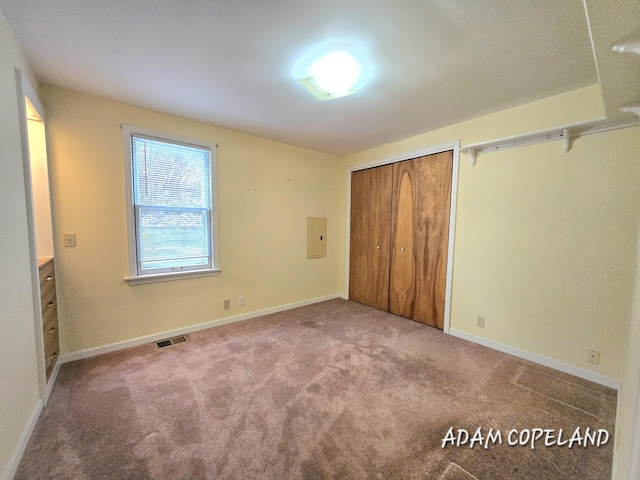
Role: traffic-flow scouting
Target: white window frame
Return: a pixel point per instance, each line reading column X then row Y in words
column 134, row 277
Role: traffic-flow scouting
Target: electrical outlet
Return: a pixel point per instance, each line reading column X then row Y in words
column 227, row 304
column 479, row 321
column 593, row 356
column 241, row 300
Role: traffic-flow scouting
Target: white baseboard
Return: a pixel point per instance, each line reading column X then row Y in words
column 542, row 360
column 16, row 456
column 92, row 352
column 52, row 381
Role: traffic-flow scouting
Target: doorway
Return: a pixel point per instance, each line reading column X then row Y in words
column 40, row 232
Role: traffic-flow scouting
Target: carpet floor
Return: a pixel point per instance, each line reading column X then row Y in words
column 331, row 390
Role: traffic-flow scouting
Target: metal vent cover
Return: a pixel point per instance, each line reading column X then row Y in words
column 171, row 341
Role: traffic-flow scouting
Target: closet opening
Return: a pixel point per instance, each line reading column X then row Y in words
column 40, row 233
column 401, row 228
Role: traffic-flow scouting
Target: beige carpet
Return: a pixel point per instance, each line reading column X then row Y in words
column 333, row 390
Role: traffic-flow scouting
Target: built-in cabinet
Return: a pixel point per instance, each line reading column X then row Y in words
column 399, row 237
column 49, row 314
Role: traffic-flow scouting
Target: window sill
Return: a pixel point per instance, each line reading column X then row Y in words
column 169, row 277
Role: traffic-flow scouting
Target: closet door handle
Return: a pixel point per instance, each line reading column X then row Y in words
column 50, row 304
column 48, row 279
column 52, row 331
column 377, row 247
column 402, row 249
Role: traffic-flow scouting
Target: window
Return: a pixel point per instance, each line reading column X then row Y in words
column 171, row 209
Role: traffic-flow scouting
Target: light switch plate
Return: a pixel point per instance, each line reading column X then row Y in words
column 69, row 239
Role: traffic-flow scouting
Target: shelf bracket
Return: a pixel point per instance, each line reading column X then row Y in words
column 630, row 44
column 472, row 152
column 567, row 140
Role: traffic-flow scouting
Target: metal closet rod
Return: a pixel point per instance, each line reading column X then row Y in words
column 566, row 133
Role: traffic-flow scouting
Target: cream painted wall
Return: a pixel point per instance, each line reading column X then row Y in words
column 19, row 394
column 543, row 238
column 266, row 191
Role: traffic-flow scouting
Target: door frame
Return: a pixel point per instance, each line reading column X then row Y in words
column 25, row 90
column 455, row 147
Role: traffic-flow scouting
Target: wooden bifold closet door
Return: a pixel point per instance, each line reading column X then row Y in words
column 400, row 236
column 370, row 236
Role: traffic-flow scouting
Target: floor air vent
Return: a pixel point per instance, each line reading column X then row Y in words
column 171, row 341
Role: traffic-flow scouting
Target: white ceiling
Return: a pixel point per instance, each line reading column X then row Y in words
column 232, row 63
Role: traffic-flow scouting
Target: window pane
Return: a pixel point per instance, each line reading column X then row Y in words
column 171, row 175
column 172, row 237
column 172, row 197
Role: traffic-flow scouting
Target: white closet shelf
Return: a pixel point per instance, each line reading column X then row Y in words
column 565, row 133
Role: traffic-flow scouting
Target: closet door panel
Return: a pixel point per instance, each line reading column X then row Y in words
column 359, row 243
column 399, row 237
column 379, row 235
column 402, row 282
column 434, row 202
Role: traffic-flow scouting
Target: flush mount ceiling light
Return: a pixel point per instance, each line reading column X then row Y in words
column 332, row 76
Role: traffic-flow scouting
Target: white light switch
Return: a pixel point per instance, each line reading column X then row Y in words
column 69, row 239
